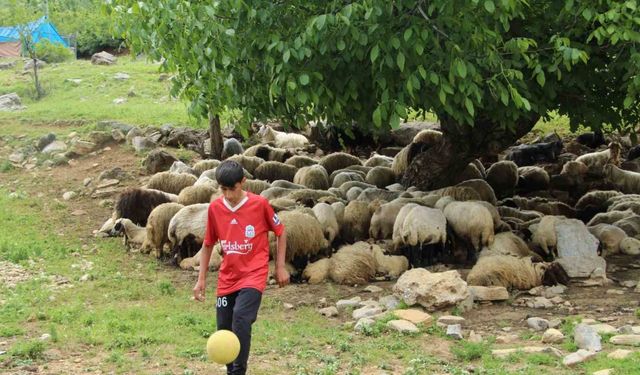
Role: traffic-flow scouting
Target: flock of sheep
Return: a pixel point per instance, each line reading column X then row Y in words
column 349, row 220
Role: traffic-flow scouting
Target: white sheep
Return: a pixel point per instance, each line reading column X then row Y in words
column 595, row 161
column 282, row 139
column 214, row 262
column 313, row 177
column 626, row 181
column 134, row 235
column 470, row 221
column 515, row 273
column 327, row 218
column 423, row 226
column 186, row 230
column 609, row 236
column 544, row 234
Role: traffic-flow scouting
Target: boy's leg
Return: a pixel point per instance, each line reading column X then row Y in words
column 245, row 312
column 224, row 315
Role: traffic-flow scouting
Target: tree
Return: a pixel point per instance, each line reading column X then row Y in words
column 489, row 69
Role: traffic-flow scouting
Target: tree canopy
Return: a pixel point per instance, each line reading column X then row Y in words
column 482, row 66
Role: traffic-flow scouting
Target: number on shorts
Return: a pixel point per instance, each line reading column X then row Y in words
column 221, row 302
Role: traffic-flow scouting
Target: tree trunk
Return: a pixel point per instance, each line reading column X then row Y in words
column 441, row 165
column 215, row 136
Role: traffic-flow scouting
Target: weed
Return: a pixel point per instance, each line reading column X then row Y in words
column 469, row 351
column 166, row 288
column 5, row 166
column 32, row 350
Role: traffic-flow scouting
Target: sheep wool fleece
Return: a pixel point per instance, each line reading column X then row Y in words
column 243, row 234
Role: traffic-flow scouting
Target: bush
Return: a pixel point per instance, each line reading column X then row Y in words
column 52, row 52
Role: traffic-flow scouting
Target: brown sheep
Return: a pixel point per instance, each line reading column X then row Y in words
column 274, row 170
column 198, row 194
column 484, row 190
column 338, row 160
column 300, row 161
column 312, row 177
column 268, row 153
column 204, row 165
column 357, row 218
column 171, row 182
column 353, row 264
column 250, row 163
column 256, row 186
column 503, row 178
column 318, row 271
column 304, row 235
column 381, row 177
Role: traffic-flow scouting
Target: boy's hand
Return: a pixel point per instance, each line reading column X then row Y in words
column 198, row 291
column 282, row 276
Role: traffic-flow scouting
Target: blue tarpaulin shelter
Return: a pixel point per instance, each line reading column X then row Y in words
column 39, row 30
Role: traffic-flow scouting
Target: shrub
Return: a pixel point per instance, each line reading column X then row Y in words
column 52, row 52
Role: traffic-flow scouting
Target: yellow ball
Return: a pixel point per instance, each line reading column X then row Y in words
column 223, row 347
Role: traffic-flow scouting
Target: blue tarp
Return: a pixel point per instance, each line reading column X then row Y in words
column 40, row 29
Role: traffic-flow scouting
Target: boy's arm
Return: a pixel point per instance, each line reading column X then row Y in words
column 282, row 275
column 201, row 284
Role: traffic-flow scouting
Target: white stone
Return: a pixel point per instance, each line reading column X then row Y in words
column 588, row 321
column 538, row 324
column 54, row 147
column 362, row 323
column 69, row 195
column 586, row 337
column 121, row 76
column 346, row 303
column 414, row 316
column 552, row 336
column 403, row 326
column 619, row 354
column 474, row 337
column 85, row 277
column 607, row 371
column 555, row 290
column 603, row 329
column 540, row 303
column 615, row 291
column 118, row 101
column 628, row 283
column 485, row 293
column 366, row 312
column 630, row 340
column 87, row 181
column 288, row 306
column 373, row 289
column 450, row 319
column 389, row 302
column 455, row 331
column 45, row 337
column 577, row 248
column 329, row 311
column 578, row 357
column 506, row 339
column 502, row 353
column 431, row 290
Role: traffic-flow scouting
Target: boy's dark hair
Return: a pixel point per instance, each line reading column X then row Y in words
column 229, row 173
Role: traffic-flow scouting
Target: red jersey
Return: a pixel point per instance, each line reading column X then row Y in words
column 243, row 234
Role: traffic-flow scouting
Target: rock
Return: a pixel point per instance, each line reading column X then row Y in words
column 502, row 353
column 414, row 316
column 586, row 337
column 82, row 148
column 363, row 323
column 109, row 125
column 630, row 340
column 10, row 102
column 86, row 277
column 5, row 65
column 141, row 144
column 450, row 319
column 17, row 157
column 158, row 161
column 588, row 321
column 115, row 173
column 431, row 290
column 184, row 137
column 493, row 293
column 347, row 303
column 54, row 147
column 103, row 193
column 402, row 326
column 474, row 337
column 555, row 290
column 552, row 336
column 389, row 302
column 121, row 76
column 454, row 331
column 103, row 58
column 540, row 303
column 619, row 354
column 163, row 77
column 625, row 330
column 615, row 291
column 555, row 323
column 287, row 306
column 118, row 135
column 578, row 357
column 45, row 140
column 45, row 337
column 118, row 101
column 78, row 213
column 107, row 183
column 74, row 81
column 603, row 329
column 69, row 195
column 607, row 371
column 577, row 248
column 538, row 324
column 373, row 289
column 536, row 291
column 628, row 283
column 403, row 135
column 329, row 311
column 100, row 138
column 506, row 339
column 28, row 65
column 366, row 312
column 557, row 300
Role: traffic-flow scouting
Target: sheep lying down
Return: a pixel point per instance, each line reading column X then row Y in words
column 515, row 273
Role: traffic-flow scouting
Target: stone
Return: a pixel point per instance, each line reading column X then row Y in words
column 538, row 324
column 74, row 81
column 555, row 323
column 615, row 291
column 454, row 331
column 414, row 316
column 552, row 336
column 5, row 65
column 118, row 101
column 115, row 173
column 603, row 329
column 431, row 290
column 474, row 337
column 28, row 65
column 577, row 248
column 184, row 137
column 347, row 303
column 109, row 125
column 163, row 77
column 78, row 212
column 107, row 183
column 402, row 326
column 619, row 354
column 586, row 337
column 373, row 289
column 588, row 321
column 118, row 135
column 625, row 330
column 557, row 300
column 555, row 290
column 158, row 161
column 54, row 147
column 536, row 291
column 141, row 144
column 17, row 157
column 540, row 303
column 389, row 302
column 450, row 319
column 578, row 357
column 502, row 353
column 366, row 312
column 10, row 102
column 69, row 195
column 100, row 138
column 607, row 371
column 103, row 58
column 87, row 181
column 329, row 311
column 630, row 340
column 45, row 337
column 121, row 76
column 82, row 148
column 103, row 193
column 492, row 293
column 45, row 140
column 628, row 283
column 363, row 323
column 86, row 277
column 288, row 306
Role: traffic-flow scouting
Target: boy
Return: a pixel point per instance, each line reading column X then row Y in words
column 241, row 222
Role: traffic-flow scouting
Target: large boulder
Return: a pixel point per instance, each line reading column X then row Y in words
column 10, row 102
column 103, row 58
column 54, row 147
column 111, row 124
column 405, row 133
column 183, row 138
column 431, row 290
column 82, row 148
column 141, row 144
column 158, row 161
column 577, row 248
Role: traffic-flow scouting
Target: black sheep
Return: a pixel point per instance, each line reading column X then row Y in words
column 591, row 139
column 525, row 155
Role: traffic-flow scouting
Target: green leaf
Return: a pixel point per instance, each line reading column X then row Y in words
column 375, row 51
column 442, row 96
column 286, row 56
column 230, row 32
column 489, row 6
column 469, row 105
column 302, row 96
column 395, row 42
column 422, row 71
column 628, row 101
column 341, row 45
column 395, row 121
column 419, row 49
column 407, row 34
column 377, row 117
column 461, row 68
column 586, row 14
column 400, row 61
column 540, row 78
column 291, row 85
column 304, row 79
column 434, row 78
column 320, row 20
